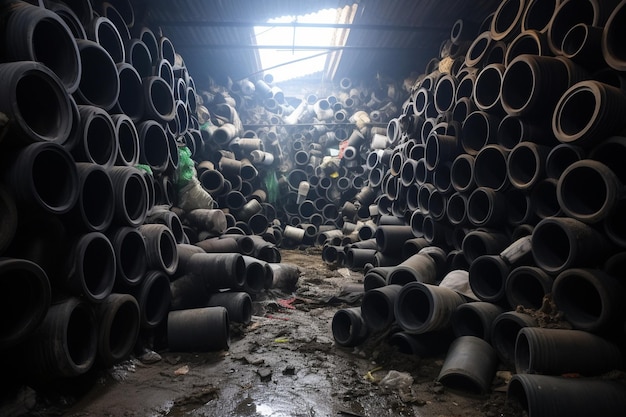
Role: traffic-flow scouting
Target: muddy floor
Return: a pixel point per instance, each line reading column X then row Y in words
column 283, row 364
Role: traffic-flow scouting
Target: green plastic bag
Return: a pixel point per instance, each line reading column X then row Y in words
column 145, row 168
column 191, row 195
column 186, row 170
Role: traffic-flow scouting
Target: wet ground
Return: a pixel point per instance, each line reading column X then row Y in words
column 283, row 364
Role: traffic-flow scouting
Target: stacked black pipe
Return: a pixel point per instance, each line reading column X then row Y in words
column 493, row 190
column 506, row 174
column 95, row 221
column 304, row 157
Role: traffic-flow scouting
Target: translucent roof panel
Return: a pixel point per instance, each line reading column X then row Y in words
column 292, row 49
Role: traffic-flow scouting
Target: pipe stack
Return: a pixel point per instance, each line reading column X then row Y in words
column 506, row 174
column 100, row 198
column 308, row 154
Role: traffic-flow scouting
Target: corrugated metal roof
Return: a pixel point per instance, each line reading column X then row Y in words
column 213, row 37
column 407, row 50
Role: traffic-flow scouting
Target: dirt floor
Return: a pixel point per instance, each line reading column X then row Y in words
column 283, row 364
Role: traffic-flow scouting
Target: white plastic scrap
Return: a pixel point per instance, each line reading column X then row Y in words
column 396, row 381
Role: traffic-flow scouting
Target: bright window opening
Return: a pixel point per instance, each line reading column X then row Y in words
column 290, row 51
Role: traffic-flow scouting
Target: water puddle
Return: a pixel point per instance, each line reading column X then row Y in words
column 250, row 407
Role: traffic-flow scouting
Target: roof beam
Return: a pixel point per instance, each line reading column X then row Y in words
column 297, row 48
column 351, row 26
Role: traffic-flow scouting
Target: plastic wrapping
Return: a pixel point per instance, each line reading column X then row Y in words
column 191, row 195
column 396, row 381
column 186, row 171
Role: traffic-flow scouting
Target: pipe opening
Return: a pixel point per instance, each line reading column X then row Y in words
column 135, row 198
column 40, row 105
column 161, row 97
column 538, row 14
column 614, row 37
column 551, row 246
column 414, row 307
column 479, row 207
column 97, row 198
column 157, row 299
column 456, row 209
column 504, row 335
column 140, row 58
column 99, row 83
column 507, row 16
column 523, row 45
column 487, row 87
column 52, row 46
column 99, row 140
column 110, row 39
column 51, row 178
column 516, row 390
column 132, row 256
column 523, row 166
column 24, row 299
column 124, row 325
column 461, row 383
column 488, row 277
column 155, row 148
column 342, row 327
column 580, row 299
column 518, row 85
column 576, row 112
column 98, row 267
column 128, row 142
column 575, row 40
column 80, row 335
column 130, row 98
column 473, row 246
column 379, row 314
column 476, row 132
column 584, row 191
column 526, row 290
column 255, row 276
column 567, row 15
column 490, row 168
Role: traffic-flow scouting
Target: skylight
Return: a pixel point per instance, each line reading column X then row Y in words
column 301, row 50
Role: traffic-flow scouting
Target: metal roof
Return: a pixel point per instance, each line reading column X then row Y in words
column 394, row 37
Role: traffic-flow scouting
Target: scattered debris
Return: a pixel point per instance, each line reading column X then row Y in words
column 149, row 357
column 287, row 303
column 396, row 381
column 548, row 315
column 369, row 375
column 120, row 371
column 183, row 370
column 265, row 374
column 505, row 376
column 345, row 272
